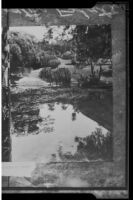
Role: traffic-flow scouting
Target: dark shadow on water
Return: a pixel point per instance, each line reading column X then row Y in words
column 95, row 146
column 64, row 106
column 73, row 116
column 51, row 106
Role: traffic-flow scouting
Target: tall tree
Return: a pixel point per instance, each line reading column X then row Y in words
column 23, row 50
column 93, row 43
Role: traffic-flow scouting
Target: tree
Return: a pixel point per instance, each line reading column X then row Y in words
column 93, row 43
column 23, row 50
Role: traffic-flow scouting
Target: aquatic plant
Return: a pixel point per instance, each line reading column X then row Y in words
column 59, row 76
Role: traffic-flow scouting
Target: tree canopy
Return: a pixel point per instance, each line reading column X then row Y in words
column 89, row 43
column 92, row 42
column 23, row 49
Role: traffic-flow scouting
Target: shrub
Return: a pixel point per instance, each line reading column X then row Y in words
column 23, row 50
column 107, row 73
column 67, row 55
column 43, row 58
column 53, row 63
column 59, row 76
column 86, row 81
column 64, row 76
column 47, row 60
column 46, row 74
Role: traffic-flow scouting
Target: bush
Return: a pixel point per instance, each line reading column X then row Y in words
column 53, row 63
column 107, row 73
column 92, row 82
column 89, row 80
column 64, row 76
column 59, row 76
column 43, row 58
column 23, row 50
column 47, row 60
column 67, row 55
column 46, row 74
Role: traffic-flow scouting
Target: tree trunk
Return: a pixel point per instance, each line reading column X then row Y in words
column 100, row 71
column 92, row 69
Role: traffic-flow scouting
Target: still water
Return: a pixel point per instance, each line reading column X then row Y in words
column 60, row 125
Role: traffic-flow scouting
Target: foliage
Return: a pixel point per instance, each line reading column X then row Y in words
column 89, row 80
column 23, row 50
column 47, row 60
column 93, row 42
column 67, row 55
column 58, row 48
column 59, row 76
column 43, row 58
column 53, row 63
column 97, row 145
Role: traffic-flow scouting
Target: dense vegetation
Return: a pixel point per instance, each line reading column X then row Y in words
column 87, row 46
column 58, row 76
column 91, row 147
column 23, row 49
column 26, row 52
column 95, row 145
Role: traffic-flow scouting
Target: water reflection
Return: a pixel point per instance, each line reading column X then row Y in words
column 51, row 106
column 64, row 106
column 95, row 146
column 25, row 121
column 73, row 116
column 63, row 134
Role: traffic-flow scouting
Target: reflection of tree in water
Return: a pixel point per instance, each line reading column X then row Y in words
column 64, row 106
column 95, row 146
column 64, row 156
column 76, row 110
column 73, row 116
column 47, row 125
column 51, row 106
column 26, row 121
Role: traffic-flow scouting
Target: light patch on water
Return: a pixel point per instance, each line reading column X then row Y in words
column 31, row 80
column 31, row 83
column 57, row 133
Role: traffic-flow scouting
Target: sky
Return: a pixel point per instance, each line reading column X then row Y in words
column 39, row 31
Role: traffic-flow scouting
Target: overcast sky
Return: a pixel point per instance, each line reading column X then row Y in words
column 39, row 31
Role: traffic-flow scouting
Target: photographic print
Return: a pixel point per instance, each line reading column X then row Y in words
column 59, row 91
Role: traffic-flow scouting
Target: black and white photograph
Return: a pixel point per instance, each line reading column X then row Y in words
column 60, row 101
column 61, row 93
